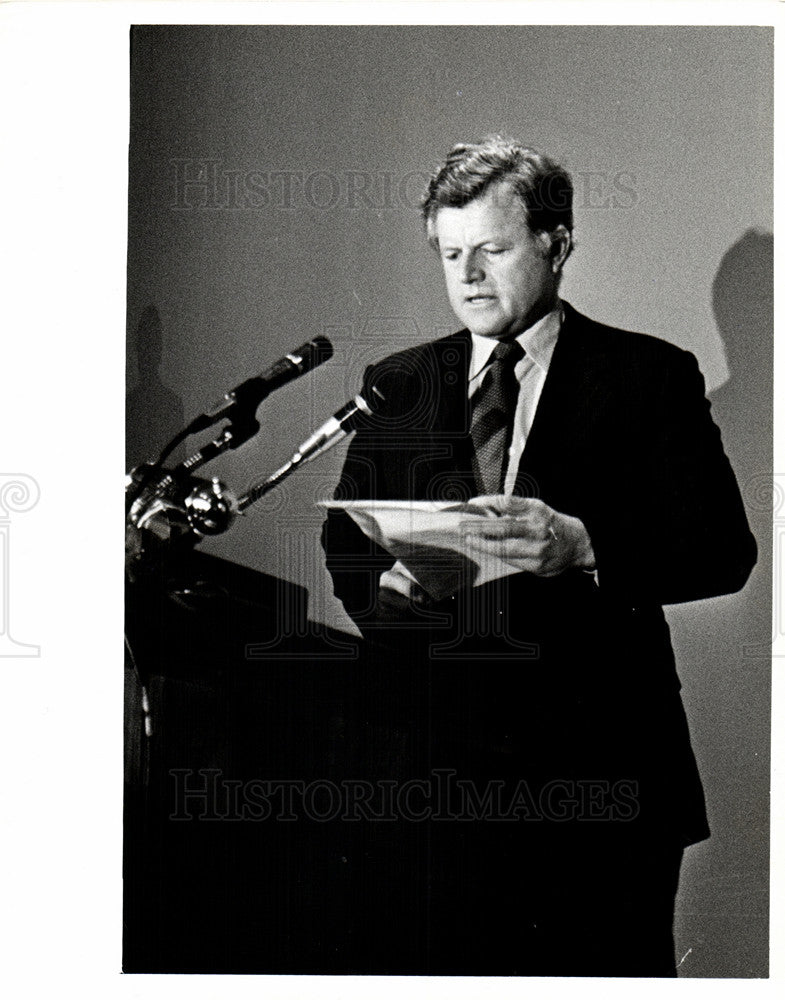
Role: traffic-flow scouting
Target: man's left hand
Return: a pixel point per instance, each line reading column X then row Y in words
column 531, row 536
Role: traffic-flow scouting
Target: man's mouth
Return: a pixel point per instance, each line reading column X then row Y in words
column 477, row 299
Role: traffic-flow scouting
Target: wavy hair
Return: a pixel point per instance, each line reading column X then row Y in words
column 543, row 187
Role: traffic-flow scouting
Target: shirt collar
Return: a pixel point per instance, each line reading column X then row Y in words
column 539, row 341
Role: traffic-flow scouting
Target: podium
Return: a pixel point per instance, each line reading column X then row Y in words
column 253, row 740
column 230, row 690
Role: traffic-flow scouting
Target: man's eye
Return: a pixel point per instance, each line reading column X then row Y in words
column 493, row 251
column 450, row 255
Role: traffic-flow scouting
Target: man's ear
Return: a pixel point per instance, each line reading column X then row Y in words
column 560, row 247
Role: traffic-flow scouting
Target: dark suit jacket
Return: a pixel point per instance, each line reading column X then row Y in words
column 570, row 677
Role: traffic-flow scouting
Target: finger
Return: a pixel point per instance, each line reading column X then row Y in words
column 505, row 548
column 507, row 527
column 507, row 503
column 494, row 503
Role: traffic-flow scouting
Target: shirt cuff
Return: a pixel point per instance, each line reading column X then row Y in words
column 399, row 579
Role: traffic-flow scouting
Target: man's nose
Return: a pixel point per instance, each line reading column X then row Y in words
column 470, row 269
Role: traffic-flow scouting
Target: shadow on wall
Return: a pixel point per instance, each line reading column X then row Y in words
column 743, row 302
column 154, row 412
column 727, row 648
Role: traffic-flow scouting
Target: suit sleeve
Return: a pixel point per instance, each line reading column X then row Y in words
column 674, row 528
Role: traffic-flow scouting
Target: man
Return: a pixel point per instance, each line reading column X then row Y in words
column 593, row 452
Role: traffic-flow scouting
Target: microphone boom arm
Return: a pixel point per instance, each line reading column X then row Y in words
column 202, row 508
column 327, row 436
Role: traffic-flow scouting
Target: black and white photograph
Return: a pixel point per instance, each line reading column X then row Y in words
column 414, row 708
column 448, row 569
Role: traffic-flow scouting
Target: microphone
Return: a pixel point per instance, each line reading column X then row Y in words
column 247, row 396
column 350, row 416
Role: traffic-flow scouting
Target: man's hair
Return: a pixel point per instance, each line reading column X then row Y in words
column 543, row 187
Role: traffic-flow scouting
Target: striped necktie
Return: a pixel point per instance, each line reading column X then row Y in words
column 493, row 409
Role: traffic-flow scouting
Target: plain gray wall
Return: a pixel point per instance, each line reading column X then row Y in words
column 312, row 145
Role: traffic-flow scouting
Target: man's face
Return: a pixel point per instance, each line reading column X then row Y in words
column 500, row 277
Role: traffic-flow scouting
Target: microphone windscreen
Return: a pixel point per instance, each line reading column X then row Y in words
column 313, row 353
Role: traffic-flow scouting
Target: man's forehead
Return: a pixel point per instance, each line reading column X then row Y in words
column 497, row 209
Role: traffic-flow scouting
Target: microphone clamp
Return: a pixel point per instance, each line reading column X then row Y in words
column 210, row 509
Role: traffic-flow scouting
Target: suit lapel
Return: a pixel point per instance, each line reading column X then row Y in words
column 570, row 400
column 451, row 367
column 440, row 462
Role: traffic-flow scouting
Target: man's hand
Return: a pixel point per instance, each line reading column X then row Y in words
column 531, row 535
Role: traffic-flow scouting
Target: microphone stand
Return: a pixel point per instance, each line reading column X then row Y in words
column 174, row 506
column 167, row 509
column 153, row 497
column 327, row 436
column 259, row 490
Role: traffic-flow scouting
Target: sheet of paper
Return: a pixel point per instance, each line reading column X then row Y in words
column 429, row 538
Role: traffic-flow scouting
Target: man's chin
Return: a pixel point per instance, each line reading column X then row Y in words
column 481, row 326
column 493, row 332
